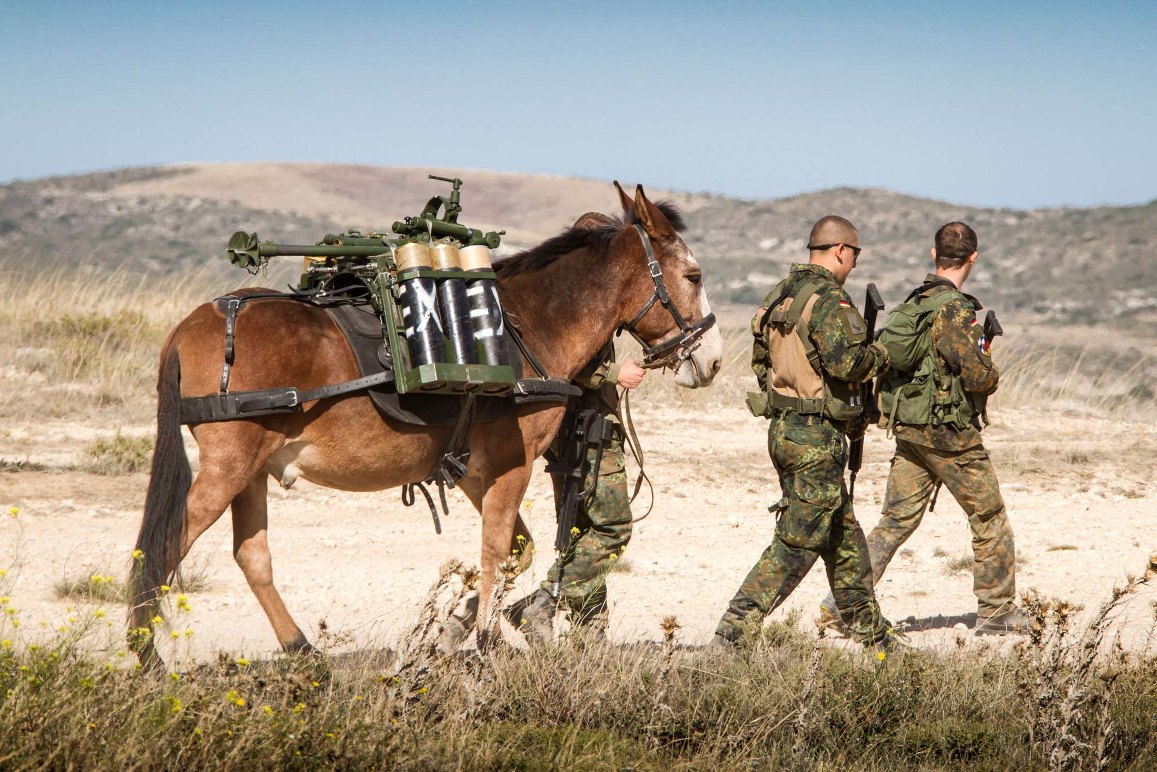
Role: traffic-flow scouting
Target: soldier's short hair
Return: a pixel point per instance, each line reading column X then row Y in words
column 832, row 229
column 955, row 243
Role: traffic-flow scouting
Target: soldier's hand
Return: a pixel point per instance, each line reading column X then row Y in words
column 630, row 374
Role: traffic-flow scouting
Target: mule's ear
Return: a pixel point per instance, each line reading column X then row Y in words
column 654, row 222
column 627, row 202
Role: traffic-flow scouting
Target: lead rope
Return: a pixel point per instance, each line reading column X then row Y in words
column 632, row 441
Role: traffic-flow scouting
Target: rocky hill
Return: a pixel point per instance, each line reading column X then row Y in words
column 1085, row 266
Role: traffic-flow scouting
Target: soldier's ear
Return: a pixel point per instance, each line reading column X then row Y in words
column 972, row 257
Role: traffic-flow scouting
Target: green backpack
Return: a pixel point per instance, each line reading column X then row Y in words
column 916, row 390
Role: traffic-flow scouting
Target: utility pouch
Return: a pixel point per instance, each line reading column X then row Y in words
column 758, row 404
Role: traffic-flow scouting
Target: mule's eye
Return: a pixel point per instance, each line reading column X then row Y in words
column 695, row 278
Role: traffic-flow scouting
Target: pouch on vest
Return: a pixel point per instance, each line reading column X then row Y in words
column 758, row 404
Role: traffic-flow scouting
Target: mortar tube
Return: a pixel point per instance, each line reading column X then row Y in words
column 454, row 306
column 418, row 300
column 485, row 308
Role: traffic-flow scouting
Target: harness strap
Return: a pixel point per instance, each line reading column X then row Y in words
column 529, row 390
column 512, row 329
column 229, row 305
column 798, row 306
column 250, row 404
column 408, row 500
column 678, row 348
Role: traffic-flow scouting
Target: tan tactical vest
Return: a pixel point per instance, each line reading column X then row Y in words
column 795, row 380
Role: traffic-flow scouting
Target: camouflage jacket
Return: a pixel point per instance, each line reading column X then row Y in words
column 957, row 337
column 832, row 318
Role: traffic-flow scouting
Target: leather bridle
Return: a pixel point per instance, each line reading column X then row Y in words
column 677, row 349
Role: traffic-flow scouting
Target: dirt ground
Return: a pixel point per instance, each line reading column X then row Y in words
column 1078, row 492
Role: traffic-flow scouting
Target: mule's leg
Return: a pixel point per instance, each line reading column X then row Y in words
column 464, row 617
column 521, row 540
column 499, row 519
column 251, row 551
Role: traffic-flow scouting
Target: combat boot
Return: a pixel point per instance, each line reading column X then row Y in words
column 588, row 623
column 829, row 621
column 534, row 616
column 722, row 643
column 1011, row 622
column 894, row 642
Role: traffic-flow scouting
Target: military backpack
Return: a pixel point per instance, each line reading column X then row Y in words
column 917, row 390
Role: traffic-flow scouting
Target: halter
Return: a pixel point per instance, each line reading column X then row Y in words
column 676, row 350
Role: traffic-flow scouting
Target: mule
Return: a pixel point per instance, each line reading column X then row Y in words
column 567, row 297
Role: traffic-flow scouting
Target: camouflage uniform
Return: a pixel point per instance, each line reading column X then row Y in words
column 603, row 522
column 809, row 452
column 955, row 457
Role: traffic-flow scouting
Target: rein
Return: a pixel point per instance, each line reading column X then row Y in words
column 677, row 349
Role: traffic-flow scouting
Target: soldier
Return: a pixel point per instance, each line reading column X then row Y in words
column 933, row 412
column 603, row 523
column 810, row 356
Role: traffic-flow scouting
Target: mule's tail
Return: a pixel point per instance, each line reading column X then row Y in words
column 158, row 550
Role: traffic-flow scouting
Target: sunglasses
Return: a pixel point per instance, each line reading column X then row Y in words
column 821, row 247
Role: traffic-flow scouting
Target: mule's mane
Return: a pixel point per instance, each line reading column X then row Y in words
column 596, row 239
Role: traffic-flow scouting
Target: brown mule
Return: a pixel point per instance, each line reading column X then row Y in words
column 567, row 296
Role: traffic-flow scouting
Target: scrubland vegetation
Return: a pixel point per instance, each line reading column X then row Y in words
column 1067, row 698
column 75, row 347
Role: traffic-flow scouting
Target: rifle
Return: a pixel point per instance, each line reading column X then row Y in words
column 581, row 431
column 873, row 305
column 992, row 329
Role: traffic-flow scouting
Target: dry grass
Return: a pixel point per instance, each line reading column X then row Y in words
column 80, row 343
column 1063, row 699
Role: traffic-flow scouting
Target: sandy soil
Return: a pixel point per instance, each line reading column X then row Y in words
column 1078, row 491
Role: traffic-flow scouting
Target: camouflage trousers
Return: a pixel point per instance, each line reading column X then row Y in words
column 816, row 521
column 599, row 537
column 969, row 477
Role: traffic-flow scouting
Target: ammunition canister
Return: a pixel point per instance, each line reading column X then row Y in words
column 485, row 310
column 418, row 301
column 453, row 305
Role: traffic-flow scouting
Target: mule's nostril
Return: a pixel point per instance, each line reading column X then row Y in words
column 715, row 365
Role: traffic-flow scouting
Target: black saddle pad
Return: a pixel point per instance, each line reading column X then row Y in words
column 362, row 327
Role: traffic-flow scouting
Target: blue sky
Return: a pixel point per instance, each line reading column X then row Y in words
column 1019, row 104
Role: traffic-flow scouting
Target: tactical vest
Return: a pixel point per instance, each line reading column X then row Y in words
column 795, row 379
column 918, row 390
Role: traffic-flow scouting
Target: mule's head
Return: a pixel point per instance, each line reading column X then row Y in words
column 667, row 302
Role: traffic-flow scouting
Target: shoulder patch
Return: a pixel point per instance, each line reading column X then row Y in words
column 854, row 325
